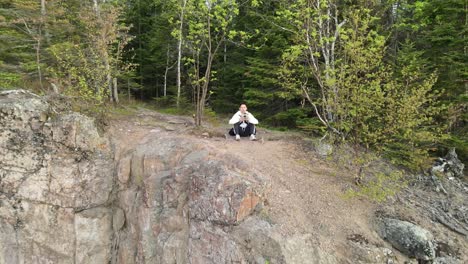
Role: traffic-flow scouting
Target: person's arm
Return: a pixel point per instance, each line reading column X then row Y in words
column 235, row 118
column 251, row 118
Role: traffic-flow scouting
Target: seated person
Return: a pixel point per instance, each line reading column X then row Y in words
column 244, row 124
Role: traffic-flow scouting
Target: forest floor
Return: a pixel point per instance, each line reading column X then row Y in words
column 306, row 194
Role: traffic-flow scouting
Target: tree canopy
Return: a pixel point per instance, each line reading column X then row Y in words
column 389, row 75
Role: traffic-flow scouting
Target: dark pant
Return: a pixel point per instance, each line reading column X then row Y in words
column 243, row 132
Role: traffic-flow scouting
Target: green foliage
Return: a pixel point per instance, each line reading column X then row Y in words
column 250, row 72
column 311, row 125
column 78, row 71
column 166, row 105
column 19, row 24
column 413, row 101
column 360, row 96
column 9, row 80
column 386, row 75
column 385, row 80
column 380, row 187
column 152, row 42
column 209, row 26
column 292, row 118
column 71, row 46
column 375, row 178
column 438, row 29
column 287, row 118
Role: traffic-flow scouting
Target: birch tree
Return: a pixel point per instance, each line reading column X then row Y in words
column 209, row 26
column 337, row 61
column 317, row 25
column 180, row 34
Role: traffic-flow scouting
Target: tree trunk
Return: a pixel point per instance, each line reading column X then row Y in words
column 166, row 71
column 204, row 88
column 108, row 75
column 140, row 48
column 327, row 28
column 225, row 52
column 165, row 82
column 179, row 51
column 198, row 109
column 38, row 59
column 115, row 94
column 43, row 7
column 39, row 38
column 43, row 21
column 96, row 7
column 128, row 89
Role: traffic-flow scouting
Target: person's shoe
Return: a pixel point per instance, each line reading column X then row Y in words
column 252, row 137
column 237, row 137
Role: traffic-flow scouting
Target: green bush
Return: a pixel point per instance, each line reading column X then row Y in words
column 380, row 187
column 288, row 118
column 9, row 80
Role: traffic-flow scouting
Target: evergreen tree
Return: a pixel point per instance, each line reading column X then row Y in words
column 438, row 29
column 20, row 43
column 250, row 72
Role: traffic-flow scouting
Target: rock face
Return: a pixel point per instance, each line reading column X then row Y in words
column 55, row 183
column 69, row 195
column 181, row 202
column 185, row 203
column 410, row 239
column 65, row 198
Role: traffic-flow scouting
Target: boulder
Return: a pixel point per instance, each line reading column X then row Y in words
column 180, row 201
column 410, row 239
column 323, row 148
column 53, row 169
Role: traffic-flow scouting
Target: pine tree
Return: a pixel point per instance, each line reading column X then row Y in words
column 21, row 43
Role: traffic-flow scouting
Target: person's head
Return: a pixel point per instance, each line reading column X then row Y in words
column 243, row 108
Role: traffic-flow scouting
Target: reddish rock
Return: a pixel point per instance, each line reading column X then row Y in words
column 247, row 205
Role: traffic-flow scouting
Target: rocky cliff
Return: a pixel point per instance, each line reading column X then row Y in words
column 148, row 191
column 55, row 185
column 67, row 195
